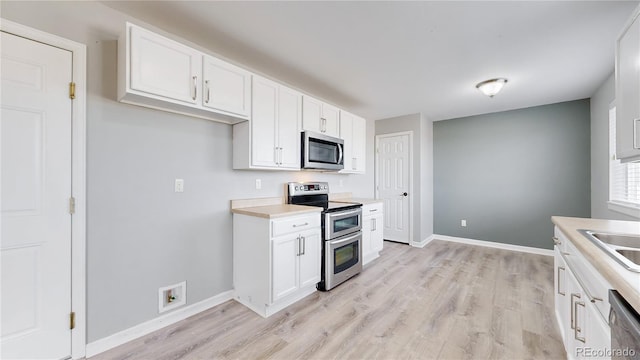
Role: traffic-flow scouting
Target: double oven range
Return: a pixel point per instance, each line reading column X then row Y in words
column 341, row 232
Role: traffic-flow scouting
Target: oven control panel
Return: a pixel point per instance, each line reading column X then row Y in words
column 307, row 188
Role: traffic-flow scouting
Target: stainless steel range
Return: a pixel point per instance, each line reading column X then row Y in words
column 341, row 232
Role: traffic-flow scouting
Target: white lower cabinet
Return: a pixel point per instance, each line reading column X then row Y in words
column 581, row 303
column 372, row 227
column 276, row 262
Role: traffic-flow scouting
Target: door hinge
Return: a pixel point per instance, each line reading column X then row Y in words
column 72, row 90
column 72, row 205
column 72, row 320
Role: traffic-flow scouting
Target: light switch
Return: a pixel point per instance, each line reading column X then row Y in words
column 258, row 184
column 179, row 187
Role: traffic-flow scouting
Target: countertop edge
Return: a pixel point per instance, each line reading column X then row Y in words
column 276, row 211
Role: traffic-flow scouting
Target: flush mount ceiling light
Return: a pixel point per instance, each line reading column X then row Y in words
column 491, row 87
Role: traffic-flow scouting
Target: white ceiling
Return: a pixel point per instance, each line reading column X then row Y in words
column 384, row 59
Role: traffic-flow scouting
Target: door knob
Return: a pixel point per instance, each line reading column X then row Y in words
column 404, row 193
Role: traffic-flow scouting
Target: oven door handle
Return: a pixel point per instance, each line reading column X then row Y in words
column 345, row 240
column 340, row 215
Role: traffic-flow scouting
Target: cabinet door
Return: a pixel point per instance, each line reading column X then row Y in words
column 263, row 123
column 331, row 118
column 311, row 114
column 284, row 266
column 367, row 226
column 226, row 87
column 310, row 258
column 560, row 293
column 346, row 133
column 376, row 232
column 628, row 93
column 289, row 119
column 597, row 330
column 359, row 144
column 163, row 67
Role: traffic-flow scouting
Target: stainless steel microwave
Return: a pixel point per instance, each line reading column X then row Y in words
column 322, row 152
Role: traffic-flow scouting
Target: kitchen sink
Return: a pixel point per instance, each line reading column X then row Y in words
column 623, row 248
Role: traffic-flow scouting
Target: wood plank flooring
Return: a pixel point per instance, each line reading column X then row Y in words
column 445, row 301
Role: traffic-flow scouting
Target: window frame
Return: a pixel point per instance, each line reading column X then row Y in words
column 629, row 208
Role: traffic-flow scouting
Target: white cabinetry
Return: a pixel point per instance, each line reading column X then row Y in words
column 271, row 140
column 581, row 302
column 628, row 90
column 320, row 117
column 372, row 226
column 161, row 73
column 276, row 262
column 226, row 87
column 353, row 130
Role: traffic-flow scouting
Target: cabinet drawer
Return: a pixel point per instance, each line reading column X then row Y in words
column 372, row 209
column 294, row 224
column 591, row 281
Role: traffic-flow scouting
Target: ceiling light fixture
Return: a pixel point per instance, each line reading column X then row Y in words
column 491, row 87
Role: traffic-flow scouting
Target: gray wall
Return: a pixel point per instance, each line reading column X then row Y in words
column 140, row 234
column 507, row 173
column 422, row 129
column 600, row 102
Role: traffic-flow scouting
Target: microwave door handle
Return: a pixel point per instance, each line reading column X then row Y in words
column 340, row 153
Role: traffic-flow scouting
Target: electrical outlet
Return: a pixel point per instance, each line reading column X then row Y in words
column 463, row 223
column 258, row 184
column 341, row 183
column 179, row 185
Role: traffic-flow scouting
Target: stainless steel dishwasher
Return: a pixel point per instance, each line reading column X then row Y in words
column 625, row 329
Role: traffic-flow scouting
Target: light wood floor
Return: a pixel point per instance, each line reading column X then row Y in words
column 445, row 301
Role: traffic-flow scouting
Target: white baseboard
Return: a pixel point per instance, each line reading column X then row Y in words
column 424, row 242
column 132, row 333
column 496, row 245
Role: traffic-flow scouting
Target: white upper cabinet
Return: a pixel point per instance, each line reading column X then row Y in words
column 226, row 87
column 161, row 73
column 162, row 67
column 289, row 119
column 272, row 139
column 628, row 91
column 353, row 130
column 320, row 117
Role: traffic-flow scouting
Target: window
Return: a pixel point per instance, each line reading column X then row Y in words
column 624, row 178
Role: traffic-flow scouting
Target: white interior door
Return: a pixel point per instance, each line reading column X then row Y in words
column 35, row 248
column 393, row 185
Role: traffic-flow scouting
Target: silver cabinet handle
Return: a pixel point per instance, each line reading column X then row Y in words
column 556, row 241
column 573, row 308
column 591, row 298
column 563, row 269
column 353, row 163
column 323, row 125
column 280, row 156
column 372, row 210
column 195, row 87
column 373, row 224
column 299, row 247
column 304, row 245
column 208, row 91
column 298, row 225
column 577, row 328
